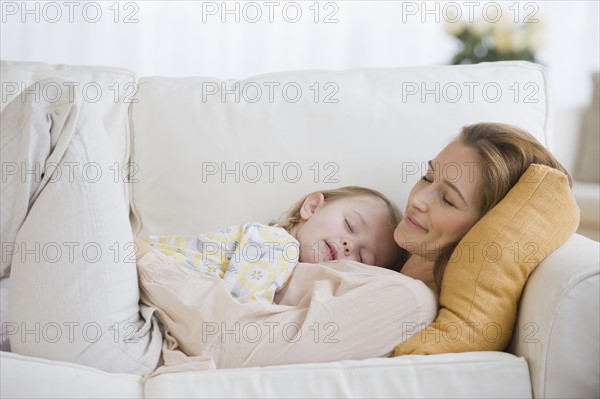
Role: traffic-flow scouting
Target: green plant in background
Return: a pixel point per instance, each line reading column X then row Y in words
column 500, row 41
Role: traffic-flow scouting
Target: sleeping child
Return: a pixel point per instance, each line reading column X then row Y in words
column 256, row 260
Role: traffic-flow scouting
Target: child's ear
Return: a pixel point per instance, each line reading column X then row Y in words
column 311, row 204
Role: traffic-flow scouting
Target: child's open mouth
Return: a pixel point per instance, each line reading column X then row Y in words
column 331, row 251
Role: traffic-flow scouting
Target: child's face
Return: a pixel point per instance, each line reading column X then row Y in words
column 353, row 228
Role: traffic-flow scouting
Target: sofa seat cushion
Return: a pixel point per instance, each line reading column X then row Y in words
column 465, row 375
column 30, row 377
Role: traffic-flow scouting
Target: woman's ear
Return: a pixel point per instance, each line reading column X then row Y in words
column 311, row 204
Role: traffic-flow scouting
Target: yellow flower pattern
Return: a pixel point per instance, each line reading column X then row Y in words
column 254, row 260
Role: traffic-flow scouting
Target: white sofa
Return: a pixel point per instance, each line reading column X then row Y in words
column 203, row 153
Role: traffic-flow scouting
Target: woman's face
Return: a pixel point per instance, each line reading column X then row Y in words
column 444, row 204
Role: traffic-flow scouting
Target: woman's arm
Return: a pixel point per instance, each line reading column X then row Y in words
column 141, row 248
column 325, row 314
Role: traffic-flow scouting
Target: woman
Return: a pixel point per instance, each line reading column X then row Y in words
column 464, row 181
column 84, row 309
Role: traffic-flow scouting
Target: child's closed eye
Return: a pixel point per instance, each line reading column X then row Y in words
column 348, row 226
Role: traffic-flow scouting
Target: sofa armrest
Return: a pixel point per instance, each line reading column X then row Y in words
column 587, row 196
column 557, row 329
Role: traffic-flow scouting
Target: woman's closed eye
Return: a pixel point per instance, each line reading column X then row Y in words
column 429, row 178
column 447, row 201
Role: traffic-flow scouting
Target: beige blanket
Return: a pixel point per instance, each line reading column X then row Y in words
column 327, row 312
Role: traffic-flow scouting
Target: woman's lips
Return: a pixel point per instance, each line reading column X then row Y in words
column 412, row 222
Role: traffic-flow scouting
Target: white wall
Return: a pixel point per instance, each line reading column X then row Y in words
column 180, row 38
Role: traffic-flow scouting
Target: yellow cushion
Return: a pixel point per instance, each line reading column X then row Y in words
column 485, row 277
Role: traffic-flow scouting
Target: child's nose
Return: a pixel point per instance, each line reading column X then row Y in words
column 348, row 247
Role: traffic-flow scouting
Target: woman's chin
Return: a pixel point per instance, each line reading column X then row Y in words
column 402, row 235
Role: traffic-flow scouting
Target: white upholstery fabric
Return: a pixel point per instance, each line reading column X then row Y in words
column 188, row 142
column 588, row 199
column 465, row 375
column 558, row 322
column 29, row 377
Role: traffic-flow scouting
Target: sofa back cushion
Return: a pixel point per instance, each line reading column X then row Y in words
column 211, row 152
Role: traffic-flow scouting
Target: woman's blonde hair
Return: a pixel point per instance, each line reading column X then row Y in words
column 292, row 217
column 507, row 151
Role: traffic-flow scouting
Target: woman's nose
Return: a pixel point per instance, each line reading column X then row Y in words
column 420, row 199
